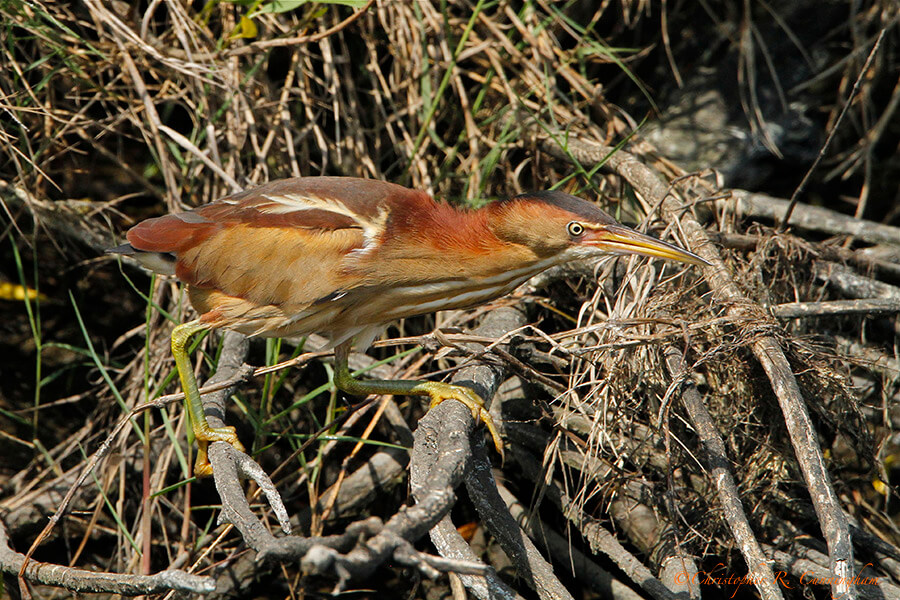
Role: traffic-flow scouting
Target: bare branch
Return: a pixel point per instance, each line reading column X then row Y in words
column 79, row 580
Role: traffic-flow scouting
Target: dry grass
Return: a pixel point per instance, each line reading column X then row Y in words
column 111, row 112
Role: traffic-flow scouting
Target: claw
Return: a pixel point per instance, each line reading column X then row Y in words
column 202, row 466
column 439, row 392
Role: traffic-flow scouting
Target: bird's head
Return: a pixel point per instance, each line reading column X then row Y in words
column 555, row 225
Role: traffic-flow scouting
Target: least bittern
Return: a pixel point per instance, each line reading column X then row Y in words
column 344, row 257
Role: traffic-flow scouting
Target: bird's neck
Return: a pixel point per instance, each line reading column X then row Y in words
column 444, row 242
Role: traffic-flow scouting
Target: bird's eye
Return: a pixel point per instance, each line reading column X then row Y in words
column 575, row 228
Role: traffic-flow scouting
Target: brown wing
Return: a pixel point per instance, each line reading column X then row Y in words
column 283, row 243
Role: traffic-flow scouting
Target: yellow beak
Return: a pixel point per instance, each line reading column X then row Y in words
column 618, row 239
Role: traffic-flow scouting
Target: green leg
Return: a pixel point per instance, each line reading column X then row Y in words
column 204, row 434
column 437, row 390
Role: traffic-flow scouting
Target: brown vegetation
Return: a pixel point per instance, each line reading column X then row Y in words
column 736, row 421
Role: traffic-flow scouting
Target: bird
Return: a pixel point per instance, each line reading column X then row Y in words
column 344, row 257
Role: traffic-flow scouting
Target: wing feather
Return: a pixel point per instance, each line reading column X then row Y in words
column 283, row 243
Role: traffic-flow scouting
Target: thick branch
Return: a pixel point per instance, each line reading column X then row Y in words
column 599, row 579
column 813, row 218
column 720, row 472
column 228, row 462
column 868, row 306
column 79, row 580
column 500, row 522
column 434, row 429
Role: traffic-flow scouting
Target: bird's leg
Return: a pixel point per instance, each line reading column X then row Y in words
column 436, row 390
column 204, row 434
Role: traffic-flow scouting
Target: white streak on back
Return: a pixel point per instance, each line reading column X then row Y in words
column 291, row 203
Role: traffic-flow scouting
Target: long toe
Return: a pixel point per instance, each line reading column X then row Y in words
column 202, row 466
column 440, row 392
column 220, row 434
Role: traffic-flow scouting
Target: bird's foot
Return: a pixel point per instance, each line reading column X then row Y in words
column 439, row 392
column 205, row 435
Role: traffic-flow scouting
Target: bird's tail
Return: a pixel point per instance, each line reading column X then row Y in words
column 158, row 262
